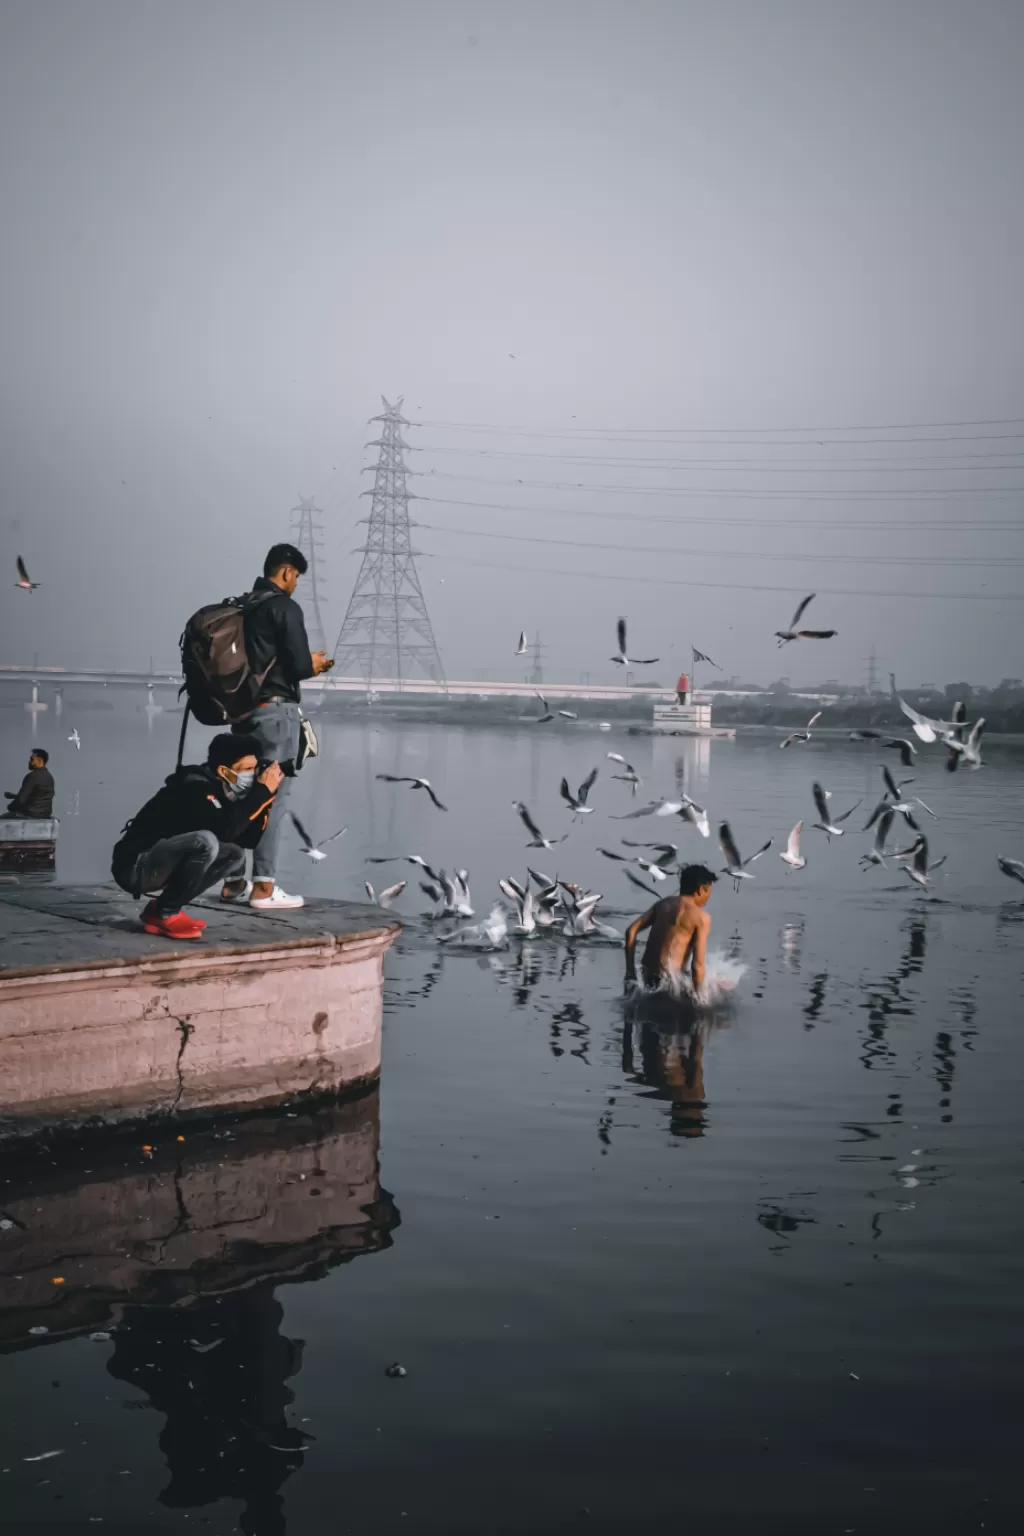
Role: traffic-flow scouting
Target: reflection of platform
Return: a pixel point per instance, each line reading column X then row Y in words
column 101, row 1022
column 267, row 1198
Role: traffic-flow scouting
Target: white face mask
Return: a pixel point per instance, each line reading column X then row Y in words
column 236, row 788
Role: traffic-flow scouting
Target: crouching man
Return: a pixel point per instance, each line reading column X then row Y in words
column 194, row 832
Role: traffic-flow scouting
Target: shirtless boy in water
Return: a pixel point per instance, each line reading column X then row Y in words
column 679, row 932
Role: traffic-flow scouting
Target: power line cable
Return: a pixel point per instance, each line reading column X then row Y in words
column 673, row 519
column 656, row 432
column 728, row 492
column 731, row 554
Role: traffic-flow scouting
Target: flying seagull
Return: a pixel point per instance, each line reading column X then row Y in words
column 492, row 933
column 926, row 729
column 792, row 633
column 686, row 809
column 521, row 898
column 734, row 865
column 397, row 778
column 959, row 716
column 537, row 838
column 310, row 849
column 876, row 854
column 76, row 739
column 920, row 870
column 1012, row 867
column 804, row 735
column 522, row 647
column 630, row 776
column 622, row 659
column 641, row 884
column 387, row 896
column 827, row 824
column 905, row 748
column 578, row 801
column 24, row 580
column 792, row 855
column 969, row 751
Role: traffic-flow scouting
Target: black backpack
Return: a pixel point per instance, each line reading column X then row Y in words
column 221, row 686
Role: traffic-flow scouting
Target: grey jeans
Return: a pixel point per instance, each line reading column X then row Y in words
column 276, row 727
column 180, row 868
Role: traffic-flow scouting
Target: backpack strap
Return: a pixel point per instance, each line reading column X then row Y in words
column 181, row 736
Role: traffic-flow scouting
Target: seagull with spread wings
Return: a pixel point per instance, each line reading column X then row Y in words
column 792, row 855
column 630, row 776
column 577, row 802
column 310, row 849
column 537, row 838
column 734, row 865
column 24, row 580
column 622, row 659
column 804, row 735
column 792, row 633
column 828, row 824
column 386, row 896
column 399, row 778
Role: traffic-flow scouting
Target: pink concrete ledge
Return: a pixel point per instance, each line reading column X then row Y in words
column 101, row 1023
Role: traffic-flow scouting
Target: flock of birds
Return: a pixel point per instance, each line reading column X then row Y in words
column 544, row 903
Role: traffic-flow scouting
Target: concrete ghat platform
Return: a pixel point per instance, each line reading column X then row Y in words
column 100, row 1022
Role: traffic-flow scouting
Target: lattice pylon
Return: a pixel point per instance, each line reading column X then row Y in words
column 386, row 634
column 307, row 535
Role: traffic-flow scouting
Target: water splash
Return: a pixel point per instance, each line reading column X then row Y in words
column 722, row 976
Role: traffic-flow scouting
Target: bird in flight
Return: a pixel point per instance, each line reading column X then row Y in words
column 24, row 580
column 630, row 776
column 387, row 896
column 919, row 869
column 804, row 735
column 523, row 645
column 792, row 633
column 624, row 660
column 1012, row 867
column 927, row 729
column 969, row 751
column 405, row 858
column 537, row 838
column 578, row 802
column 876, row 855
column 310, row 849
column 792, row 855
column 952, row 755
column 74, row 737
column 549, row 714
column 399, row 778
column 734, row 865
column 905, row 748
column 826, row 823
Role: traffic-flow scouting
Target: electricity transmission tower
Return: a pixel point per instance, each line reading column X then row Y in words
column 386, row 633
column 307, row 535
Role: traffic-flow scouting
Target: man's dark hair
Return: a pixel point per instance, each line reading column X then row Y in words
column 284, row 554
column 38, row 752
column 224, row 750
column 693, row 876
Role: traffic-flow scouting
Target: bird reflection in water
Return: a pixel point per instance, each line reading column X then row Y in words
column 791, row 939
column 886, row 998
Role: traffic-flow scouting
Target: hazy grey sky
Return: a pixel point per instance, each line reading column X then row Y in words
column 228, row 226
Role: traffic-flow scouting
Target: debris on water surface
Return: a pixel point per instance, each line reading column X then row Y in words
column 395, row 1370
column 44, row 1456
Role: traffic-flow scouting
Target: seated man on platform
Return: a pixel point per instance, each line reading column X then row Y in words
column 194, row 832
column 34, row 800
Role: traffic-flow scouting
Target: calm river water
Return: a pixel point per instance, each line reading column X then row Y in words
column 763, row 1277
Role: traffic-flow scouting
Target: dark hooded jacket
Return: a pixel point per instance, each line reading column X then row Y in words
column 192, row 800
column 275, row 637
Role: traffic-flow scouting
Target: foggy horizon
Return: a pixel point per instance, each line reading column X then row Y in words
column 751, row 271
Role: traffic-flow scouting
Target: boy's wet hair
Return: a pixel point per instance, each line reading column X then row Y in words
column 693, row 876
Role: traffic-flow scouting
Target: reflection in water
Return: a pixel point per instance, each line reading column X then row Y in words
column 886, row 998
column 791, row 940
column 218, row 1370
column 815, row 999
column 670, row 1044
column 178, row 1256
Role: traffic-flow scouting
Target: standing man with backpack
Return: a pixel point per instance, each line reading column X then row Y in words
column 278, row 654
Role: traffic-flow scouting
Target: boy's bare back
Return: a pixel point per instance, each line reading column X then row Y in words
column 679, row 935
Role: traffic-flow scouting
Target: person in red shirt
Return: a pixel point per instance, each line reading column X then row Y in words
column 683, row 689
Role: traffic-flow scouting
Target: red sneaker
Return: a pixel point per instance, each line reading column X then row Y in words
column 177, row 925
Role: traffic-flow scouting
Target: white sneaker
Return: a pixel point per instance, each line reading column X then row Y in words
column 277, row 901
column 238, row 897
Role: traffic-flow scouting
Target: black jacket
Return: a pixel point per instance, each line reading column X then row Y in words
column 35, row 797
column 192, row 800
column 275, row 628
